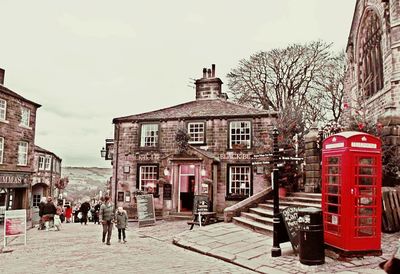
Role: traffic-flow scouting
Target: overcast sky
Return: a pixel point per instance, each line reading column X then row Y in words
column 87, row 62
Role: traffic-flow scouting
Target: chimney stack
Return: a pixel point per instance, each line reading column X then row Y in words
column 2, row 72
column 209, row 87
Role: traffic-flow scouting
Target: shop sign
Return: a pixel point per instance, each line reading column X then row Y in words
column 14, row 224
column 13, row 179
column 235, row 156
column 147, row 157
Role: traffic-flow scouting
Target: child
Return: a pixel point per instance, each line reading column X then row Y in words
column 121, row 218
column 57, row 219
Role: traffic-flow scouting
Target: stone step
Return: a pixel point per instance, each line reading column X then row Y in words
column 305, row 194
column 301, row 199
column 263, row 212
column 256, row 226
column 257, row 218
column 270, row 204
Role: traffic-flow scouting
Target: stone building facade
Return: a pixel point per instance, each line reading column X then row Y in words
column 47, row 166
column 373, row 79
column 17, row 138
column 217, row 162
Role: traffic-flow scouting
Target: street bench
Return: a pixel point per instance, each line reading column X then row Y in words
column 203, row 218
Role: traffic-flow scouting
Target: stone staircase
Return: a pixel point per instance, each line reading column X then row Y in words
column 260, row 218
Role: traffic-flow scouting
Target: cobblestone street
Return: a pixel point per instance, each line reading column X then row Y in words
column 78, row 249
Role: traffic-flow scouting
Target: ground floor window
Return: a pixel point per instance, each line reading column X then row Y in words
column 239, row 181
column 148, row 177
column 36, row 200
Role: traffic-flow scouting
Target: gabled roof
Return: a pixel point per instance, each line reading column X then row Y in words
column 42, row 150
column 198, row 109
column 16, row 95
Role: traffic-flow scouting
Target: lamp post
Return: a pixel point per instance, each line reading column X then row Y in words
column 276, row 250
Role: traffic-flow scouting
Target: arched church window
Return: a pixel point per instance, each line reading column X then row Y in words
column 370, row 64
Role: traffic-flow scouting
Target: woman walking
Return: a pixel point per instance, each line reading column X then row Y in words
column 107, row 216
column 122, row 222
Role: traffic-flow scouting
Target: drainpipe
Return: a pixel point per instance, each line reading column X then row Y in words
column 116, row 143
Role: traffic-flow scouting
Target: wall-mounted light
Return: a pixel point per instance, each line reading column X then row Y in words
column 127, row 168
column 103, row 152
column 166, row 171
column 203, row 171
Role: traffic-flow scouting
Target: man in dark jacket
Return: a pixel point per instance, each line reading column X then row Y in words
column 49, row 209
column 41, row 206
column 85, row 207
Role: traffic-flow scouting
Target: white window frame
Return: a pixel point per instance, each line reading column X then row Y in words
column 25, row 117
column 1, row 149
column 47, row 163
column 196, row 136
column 148, row 173
column 3, row 110
column 41, row 162
column 240, row 180
column 23, row 153
column 242, row 137
column 146, row 137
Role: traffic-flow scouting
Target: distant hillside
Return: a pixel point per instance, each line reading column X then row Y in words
column 85, row 182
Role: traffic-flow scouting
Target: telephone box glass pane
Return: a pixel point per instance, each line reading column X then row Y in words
column 365, row 211
column 367, row 181
column 333, row 170
column 367, row 171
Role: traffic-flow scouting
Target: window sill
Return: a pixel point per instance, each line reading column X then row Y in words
column 24, row 126
column 22, row 165
column 236, row 198
column 4, row 121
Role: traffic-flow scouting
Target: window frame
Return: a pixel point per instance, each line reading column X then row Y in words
column 139, row 177
column 3, row 109
column 234, row 195
column 28, row 118
column 142, row 142
column 202, row 142
column 26, row 153
column 230, row 122
column 41, row 161
column 1, row 150
column 47, row 163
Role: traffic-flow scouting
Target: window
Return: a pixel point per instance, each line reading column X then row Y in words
column 120, row 196
column 148, row 176
column 240, row 135
column 239, row 181
column 149, row 135
column 196, row 132
column 36, row 200
column 370, row 64
column 1, row 149
column 41, row 163
column 25, row 116
column 47, row 163
column 22, row 153
column 3, row 109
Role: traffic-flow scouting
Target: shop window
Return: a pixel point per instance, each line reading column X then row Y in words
column 25, row 116
column 148, row 176
column 36, row 200
column 41, row 163
column 1, row 149
column 3, row 109
column 120, row 196
column 22, row 153
column 240, row 134
column 149, row 135
column 239, row 184
column 196, row 132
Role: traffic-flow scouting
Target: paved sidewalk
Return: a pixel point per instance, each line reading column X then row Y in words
column 252, row 250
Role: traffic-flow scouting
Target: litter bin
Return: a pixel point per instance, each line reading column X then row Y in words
column 311, row 236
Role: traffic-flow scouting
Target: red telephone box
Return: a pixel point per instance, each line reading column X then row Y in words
column 351, row 192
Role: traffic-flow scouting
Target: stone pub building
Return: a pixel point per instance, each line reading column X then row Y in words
column 217, row 163
column 17, row 137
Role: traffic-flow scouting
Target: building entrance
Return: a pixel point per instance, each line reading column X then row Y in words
column 187, row 183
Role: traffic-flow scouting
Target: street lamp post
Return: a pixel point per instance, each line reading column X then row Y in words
column 276, row 250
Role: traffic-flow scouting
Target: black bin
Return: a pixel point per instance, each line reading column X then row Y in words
column 311, row 236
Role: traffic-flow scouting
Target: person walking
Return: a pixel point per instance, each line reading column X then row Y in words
column 68, row 213
column 107, row 216
column 85, row 207
column 96, row 213
column 43, row 201
column 49, row 210
column 121, row 219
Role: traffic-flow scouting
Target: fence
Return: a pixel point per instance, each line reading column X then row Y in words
column 390, row 209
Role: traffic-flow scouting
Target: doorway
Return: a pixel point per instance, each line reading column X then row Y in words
column 187, row 186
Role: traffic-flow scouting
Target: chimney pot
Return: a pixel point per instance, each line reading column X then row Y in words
column 2, row 73
column 204, row 73
column 213, row 70
column 209, row 73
